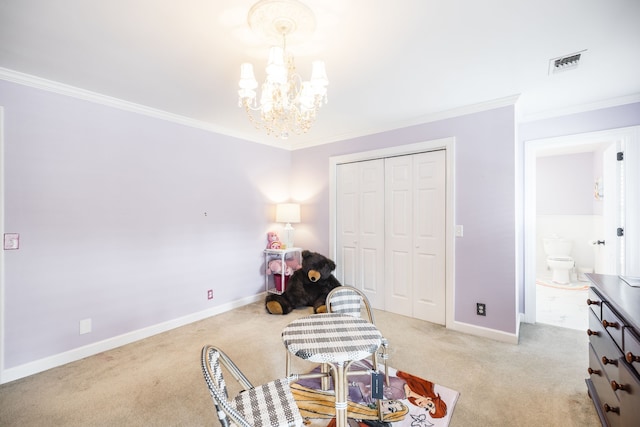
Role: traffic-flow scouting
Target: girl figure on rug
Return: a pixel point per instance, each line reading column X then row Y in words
column 420, row 393
column 417, row 391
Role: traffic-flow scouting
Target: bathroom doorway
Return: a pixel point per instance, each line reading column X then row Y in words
column 564, row 198
column 568, row 217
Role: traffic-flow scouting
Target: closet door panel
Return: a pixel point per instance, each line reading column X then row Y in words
column 347, row 224
column 423, row 276
column 348, row 262
column 429, row 236
column 371, row 231
column 398, row 238
column 399, row 291
column 360, row 228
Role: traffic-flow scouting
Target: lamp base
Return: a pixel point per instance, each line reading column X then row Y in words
column 288, row 236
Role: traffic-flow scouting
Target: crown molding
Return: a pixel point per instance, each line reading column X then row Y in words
column 442, row 115
column 582, row 108
column 98, row 98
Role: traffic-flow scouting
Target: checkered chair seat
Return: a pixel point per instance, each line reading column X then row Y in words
column 271, row 404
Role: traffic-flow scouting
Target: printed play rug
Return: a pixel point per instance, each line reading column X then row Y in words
column 409, row 401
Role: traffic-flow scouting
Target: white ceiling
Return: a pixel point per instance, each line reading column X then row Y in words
column 390, row 63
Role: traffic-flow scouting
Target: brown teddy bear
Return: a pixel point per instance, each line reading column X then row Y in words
column 308, row 286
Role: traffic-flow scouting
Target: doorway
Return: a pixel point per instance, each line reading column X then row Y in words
column 546, row 301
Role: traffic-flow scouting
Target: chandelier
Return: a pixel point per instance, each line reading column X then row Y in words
column 287, row 104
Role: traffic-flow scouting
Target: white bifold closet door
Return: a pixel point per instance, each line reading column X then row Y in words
column 360, row 227
column 415, row 236
column 391, row 232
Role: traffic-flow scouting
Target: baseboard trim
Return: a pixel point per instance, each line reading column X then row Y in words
column 480, row 331
column 60, row 359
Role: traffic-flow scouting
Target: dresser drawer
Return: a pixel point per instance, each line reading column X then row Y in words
column 606, row 350
column 628, row 391
column 612, row 324
column 631, row 348
column 609, row 402
column 595, row 302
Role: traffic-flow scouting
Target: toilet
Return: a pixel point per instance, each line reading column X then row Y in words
column 558, row 251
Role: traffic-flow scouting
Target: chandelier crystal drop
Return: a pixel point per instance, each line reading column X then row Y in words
column 286, row 104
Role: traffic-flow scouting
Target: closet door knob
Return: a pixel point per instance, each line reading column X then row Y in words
column 606, row 361
column 632, row 358
column 590, row 332
column 591, row 302
column 606, row 324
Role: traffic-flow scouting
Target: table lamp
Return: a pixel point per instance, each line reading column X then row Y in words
column 288, row 213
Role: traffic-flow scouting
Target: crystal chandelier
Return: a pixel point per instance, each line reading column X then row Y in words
column 287, row 104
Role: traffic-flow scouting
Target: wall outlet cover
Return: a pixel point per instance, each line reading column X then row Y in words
column 85, row 326
column 481, row 309
column 11, row 241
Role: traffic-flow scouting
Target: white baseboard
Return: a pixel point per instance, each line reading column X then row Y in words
column 480, row 331
column 60, row 359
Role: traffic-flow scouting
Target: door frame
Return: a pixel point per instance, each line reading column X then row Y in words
column 627, row 134
column 447, row 144
column 2, row 231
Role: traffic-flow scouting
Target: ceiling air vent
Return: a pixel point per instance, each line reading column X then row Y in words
column 565, row 63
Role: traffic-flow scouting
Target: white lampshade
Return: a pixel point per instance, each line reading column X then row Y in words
column 319, row 74
column 247, row 78
column 288, row 212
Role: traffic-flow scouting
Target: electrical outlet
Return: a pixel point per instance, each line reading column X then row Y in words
column 85, row 326
column 481, row 309
column 210, row 294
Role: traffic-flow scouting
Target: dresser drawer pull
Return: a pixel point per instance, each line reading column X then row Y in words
column 608, row 408
column 606, row 361
column 632, row 358
column 592, row 302
column 606, row 324
column 615, row 386
column 590, row 332
column 594, row 371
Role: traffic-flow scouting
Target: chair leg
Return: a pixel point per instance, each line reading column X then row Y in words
column 384, row 355
column 374, row 360
column 324, row 380
column 287, row 364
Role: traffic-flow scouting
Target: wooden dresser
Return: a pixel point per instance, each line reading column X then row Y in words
column 614, row 350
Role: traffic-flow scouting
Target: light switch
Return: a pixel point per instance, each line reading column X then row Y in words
column 11, row 241
column 459, row 231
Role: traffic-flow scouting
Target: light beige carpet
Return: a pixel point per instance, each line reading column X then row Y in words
column 158, row 382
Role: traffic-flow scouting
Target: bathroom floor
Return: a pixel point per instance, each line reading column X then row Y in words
column 563, row 306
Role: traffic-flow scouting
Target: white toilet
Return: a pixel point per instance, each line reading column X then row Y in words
column 558, row 251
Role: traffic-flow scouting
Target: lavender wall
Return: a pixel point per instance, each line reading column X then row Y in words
column 124, row 219
column 564, row 184
column 484, row 203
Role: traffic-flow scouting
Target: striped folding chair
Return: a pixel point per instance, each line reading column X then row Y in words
column 351, row 301
column 271, row 404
